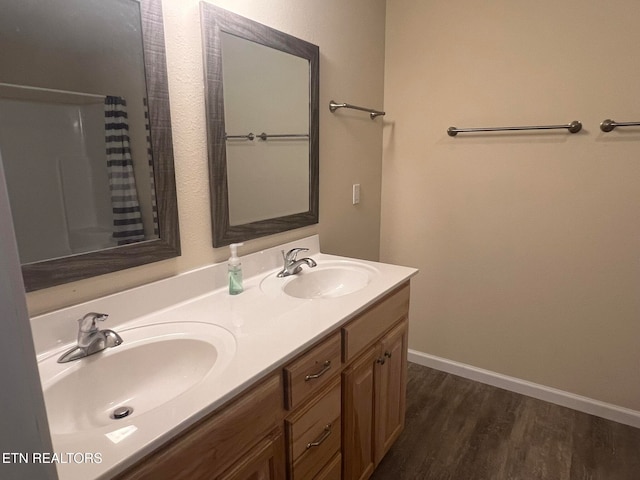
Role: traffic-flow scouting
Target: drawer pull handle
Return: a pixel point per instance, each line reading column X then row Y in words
column 325, row 366
column 387, row 354
column 321, row 438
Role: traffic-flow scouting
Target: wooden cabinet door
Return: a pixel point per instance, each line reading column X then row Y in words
column 266, row 461
column 357, row 413
column 218, row 443
column 390, row 389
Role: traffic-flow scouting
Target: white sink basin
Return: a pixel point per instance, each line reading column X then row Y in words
column 154, row 365
column 328, row 280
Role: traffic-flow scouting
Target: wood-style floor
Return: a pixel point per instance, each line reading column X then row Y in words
column 458, row 429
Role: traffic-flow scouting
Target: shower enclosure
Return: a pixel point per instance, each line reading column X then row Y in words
column 54, row 155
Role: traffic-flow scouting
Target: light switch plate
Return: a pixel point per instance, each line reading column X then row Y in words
column 356, row 193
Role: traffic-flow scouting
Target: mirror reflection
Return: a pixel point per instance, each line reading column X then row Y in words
column 85, row 137
column 262, row 121
column 266, row 96
column 73, row 126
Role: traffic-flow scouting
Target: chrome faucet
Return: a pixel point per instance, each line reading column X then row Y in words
column 292, row 265
column 90, row 338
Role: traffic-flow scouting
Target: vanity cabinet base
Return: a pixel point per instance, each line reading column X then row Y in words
column 345, row 406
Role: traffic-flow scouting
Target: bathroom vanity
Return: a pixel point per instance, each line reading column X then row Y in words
column 343, row 408
column 310, row 386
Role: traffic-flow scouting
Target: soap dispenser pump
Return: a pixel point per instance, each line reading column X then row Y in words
column 235, row 270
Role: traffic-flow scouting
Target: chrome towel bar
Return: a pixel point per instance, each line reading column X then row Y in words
column 264, row 136
column 333, row 106
column 608, row 125
column 249, row 136
column 573, row 127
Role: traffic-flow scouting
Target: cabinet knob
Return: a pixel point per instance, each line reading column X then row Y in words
column 387, row 354
column 381, row 361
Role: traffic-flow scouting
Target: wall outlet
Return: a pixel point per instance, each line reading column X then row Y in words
column 356, row 193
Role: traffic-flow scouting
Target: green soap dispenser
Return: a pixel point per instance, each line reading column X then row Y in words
column 235, row 270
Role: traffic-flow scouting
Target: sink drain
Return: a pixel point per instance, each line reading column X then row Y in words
column 121, row 412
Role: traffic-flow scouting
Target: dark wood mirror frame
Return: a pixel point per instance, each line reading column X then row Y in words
column 77, row 267
column 214, row 20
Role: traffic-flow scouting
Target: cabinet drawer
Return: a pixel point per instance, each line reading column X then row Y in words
column 371, row 324
column 314, row 433
column 332, row 471
column 311, row 371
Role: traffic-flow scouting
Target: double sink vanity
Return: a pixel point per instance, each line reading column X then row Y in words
column 299, row 377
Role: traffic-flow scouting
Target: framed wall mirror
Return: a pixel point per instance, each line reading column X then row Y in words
column 262, row 101
column 85, row 137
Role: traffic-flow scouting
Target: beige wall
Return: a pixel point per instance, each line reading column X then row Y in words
column 528, row 244
column 351, row 40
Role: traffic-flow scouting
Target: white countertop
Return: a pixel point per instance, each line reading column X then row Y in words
column 269, row 330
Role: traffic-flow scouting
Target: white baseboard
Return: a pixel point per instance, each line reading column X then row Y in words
column 535, row 390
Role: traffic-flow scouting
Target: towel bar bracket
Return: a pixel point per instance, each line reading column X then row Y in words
column 608, row 125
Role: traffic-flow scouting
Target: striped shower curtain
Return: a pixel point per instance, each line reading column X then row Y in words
column 127, row 219
column 154, row 205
